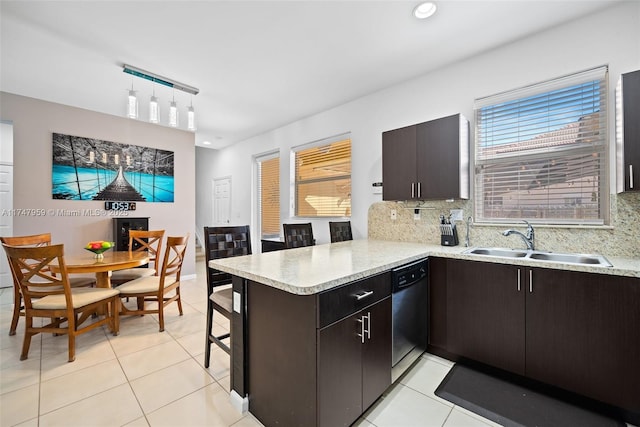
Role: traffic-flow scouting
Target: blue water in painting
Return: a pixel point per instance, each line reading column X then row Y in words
column 89, row 182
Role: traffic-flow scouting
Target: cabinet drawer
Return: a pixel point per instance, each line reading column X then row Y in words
column 340, row 302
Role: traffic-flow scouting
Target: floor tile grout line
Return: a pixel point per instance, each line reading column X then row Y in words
column 129, row 384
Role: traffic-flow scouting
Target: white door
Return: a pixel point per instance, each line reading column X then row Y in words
column 222, row 201
column 6, row 219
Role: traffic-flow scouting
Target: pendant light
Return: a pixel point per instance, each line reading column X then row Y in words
column 173, row 113
column 132, row 104
column 154, row 108
column 191, row 117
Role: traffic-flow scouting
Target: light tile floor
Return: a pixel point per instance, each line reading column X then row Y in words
column 144, row 377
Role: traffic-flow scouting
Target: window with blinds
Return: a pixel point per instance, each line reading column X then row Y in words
column 269, row 195
column 541, row 152
column 323, row 179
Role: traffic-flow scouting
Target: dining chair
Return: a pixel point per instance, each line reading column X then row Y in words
column 161, row 290
column 141, row 240
column 298, row 235
column 221, row 242
column 35, row 240
column 340, row 231
column 49, row 296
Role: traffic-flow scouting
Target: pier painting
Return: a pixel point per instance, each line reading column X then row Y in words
column 93, row 169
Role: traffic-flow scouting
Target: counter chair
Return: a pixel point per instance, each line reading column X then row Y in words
column 340, row 231
column 221, row 242
column 298, row 235
column 48, row 296
column 161, row 290
column 141, row 240
column 36, row 240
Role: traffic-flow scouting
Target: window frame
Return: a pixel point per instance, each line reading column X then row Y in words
column 258, row 160
column 293, row 172
column 601, row 149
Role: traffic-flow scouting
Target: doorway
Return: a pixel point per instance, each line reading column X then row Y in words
column 221, row 201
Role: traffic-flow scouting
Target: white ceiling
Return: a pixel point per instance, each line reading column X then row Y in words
column 259, row 65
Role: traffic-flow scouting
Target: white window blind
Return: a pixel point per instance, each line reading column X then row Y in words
column 269, row 195
column 323, row 178
column 541, row 152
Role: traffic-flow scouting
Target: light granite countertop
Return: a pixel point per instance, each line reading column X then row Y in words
column 314, row 269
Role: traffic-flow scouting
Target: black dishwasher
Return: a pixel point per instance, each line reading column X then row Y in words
column 410, row 314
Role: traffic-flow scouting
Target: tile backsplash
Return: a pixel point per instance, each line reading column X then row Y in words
column 621, row 238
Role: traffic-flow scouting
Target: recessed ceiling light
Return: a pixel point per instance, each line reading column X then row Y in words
column 206, row 142
column 424, row 10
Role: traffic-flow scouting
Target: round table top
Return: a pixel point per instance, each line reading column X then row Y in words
column 113, row 260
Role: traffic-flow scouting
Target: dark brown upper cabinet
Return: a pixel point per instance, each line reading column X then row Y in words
column 628, row 132
column 427, row 161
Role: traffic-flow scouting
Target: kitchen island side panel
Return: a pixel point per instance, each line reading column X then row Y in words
column 281, row 356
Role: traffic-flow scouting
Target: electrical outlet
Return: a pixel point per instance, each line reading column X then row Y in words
column 456, row 214
column 416, row 214
column 394, row 215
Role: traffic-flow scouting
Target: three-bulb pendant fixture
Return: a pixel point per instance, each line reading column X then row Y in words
column 154, row 105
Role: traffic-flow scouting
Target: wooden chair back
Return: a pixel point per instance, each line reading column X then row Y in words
column 30, row 266
column 43, row 239
column 340, row 231
column 147, row 240
column 298, row 235
column 173, row 260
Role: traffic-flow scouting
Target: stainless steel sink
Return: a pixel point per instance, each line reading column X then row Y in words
column 506, row 253
column 571, row 258
column 566, row 258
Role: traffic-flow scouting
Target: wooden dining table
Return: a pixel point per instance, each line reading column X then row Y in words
column 111, row 261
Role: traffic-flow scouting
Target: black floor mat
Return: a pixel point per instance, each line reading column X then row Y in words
column 509, row 404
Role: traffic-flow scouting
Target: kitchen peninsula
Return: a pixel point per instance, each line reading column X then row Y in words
column 295, row 309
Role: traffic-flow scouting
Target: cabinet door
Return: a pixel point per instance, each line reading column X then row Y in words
column 438, row 302
column 583, row 334
column 631, row 130
column 399, row 164
column 485, row 313
column 376, row 352
column 438, row 154
column 340, row 372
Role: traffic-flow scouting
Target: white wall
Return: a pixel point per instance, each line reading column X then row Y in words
column 609, row 37
column 35, row 120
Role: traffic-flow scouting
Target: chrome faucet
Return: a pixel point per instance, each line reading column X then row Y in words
column 529, row 238
column 467, row 242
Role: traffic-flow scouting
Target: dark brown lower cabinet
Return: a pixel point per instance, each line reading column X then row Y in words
column 574, row 330
column 308, row 361
column 485, row 313
column 354, row 368
column 583, row 334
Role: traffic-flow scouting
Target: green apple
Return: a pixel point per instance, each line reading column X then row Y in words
column 106, row 245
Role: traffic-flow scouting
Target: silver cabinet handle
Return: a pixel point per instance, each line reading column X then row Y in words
column 368, row 329
column 518, row 280
column 530, row 281
column 363, row 295
column 630, row 176
column 362, row 331
column 413, row 191
column 419, row 191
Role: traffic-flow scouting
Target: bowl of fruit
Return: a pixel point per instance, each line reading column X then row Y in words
column 98, row 247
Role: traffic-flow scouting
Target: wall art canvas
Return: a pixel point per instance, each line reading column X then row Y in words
column 93, row 169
